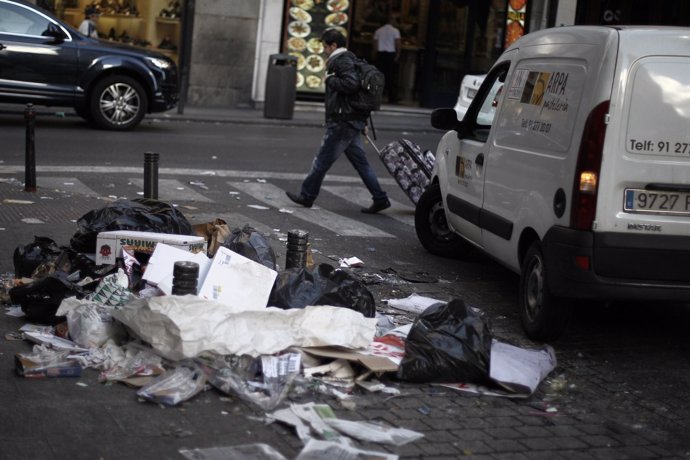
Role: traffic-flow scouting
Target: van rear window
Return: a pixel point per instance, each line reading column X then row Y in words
column 659, row 109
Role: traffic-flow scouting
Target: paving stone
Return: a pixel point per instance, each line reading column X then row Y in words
column 600, row 441
column 503, row 433
column 471, row 435
column 473, row 447
column 441, row 448
column 534, row 431
column 507, row 445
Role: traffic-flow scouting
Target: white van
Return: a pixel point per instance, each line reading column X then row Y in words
column 572, row 168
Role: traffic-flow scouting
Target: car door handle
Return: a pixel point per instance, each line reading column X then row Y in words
column 479, row 161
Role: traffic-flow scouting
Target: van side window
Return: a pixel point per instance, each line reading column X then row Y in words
column 487, row 112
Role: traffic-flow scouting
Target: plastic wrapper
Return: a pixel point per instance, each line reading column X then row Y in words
column 447, row 343
column 264, row 381
column 140, row 214
column 112, row 290
column 174, row 386
column 91, row 324
column 322, row 285
column 141, row 364
column 251, row 244
column 45, row 362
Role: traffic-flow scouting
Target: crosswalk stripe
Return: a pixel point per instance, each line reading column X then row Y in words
column 361, row 196
column 275, row 196
column 174, row 190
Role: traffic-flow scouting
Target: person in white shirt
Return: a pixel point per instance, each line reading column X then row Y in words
column 388, row 48
column 88, row 26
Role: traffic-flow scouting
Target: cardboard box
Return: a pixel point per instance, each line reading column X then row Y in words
column 109, row 244
column 159, row 270
column 237, row 281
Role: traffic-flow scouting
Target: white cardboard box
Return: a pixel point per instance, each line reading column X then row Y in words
column 237, row 281
column 109, row 244
column 161, row 266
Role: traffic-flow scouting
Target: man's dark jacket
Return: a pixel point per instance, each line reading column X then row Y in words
column 342, row 83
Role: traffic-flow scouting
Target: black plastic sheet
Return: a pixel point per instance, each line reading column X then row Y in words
column 448, row 343
column 248, row 242
column 29, row 257
column 139, row 214
column 42, row 298
column 322, row 285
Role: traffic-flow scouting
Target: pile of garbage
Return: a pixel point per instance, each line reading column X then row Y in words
column 110, row 301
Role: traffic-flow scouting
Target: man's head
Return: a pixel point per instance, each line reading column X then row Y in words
column 91, row 12
column 332, row 40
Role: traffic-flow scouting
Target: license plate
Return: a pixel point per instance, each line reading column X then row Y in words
column 656, row 202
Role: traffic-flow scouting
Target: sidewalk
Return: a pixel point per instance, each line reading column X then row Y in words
column 389, row 118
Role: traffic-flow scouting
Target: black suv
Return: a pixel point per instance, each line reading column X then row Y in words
column 47, row 62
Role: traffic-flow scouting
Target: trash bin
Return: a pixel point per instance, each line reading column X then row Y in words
column 281, row 86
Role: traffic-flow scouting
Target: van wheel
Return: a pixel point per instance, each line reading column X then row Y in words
column 432, row 227
column 544, row 317
column 118, row 103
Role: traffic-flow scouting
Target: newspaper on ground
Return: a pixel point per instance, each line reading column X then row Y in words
column 414, row 303
column 318, row 450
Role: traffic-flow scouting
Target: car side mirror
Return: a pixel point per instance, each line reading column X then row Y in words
column 54, row 32
column 445, row 119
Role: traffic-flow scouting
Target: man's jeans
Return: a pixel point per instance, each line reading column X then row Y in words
column 342, row 137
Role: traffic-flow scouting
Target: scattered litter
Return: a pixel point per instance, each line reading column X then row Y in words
column 81, row 384
column 286, row 211
column 199, row 184
column 258, row 451
column 234, row 193
column 15, row 311
column 316, row 449
column 32, row 220
column 258, row 206
column 351, row 262
column 44, row 362
column 261, row 181
column 174, row 386
column 414, row 303
column 418, row 277
column 424, row 410
column 209, row 173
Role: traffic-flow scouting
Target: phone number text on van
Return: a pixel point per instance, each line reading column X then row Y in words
column 679, row 148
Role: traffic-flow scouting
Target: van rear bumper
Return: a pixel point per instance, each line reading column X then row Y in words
column 621, row 266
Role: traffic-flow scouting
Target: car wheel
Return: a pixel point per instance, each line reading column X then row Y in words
column 544, row 316
column 432, row 227
column 118, row 103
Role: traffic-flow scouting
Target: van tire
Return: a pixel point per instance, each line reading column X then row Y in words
column 432, row 227
column 544, row 316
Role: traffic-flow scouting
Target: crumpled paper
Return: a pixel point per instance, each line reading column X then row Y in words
column 180, row 327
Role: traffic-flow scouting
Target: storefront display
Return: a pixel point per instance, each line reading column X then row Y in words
column 515, row 21
column 153, row 24
column 305, row 22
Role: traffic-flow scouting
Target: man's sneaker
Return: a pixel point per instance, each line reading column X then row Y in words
column 300, row 199
column 377, row 206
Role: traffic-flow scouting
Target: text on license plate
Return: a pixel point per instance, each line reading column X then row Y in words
column 656, row 201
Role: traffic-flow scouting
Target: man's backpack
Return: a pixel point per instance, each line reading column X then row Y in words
column 371, row 82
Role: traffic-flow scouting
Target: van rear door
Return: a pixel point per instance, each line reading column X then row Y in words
column 645, row 178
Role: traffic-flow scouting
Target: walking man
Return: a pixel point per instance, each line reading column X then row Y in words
column 344, row 128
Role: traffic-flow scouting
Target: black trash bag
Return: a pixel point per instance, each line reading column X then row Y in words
column 248, row 242
column 41, row 299
column 323, row 285
column 139, row 214
column 29, row 257
column 448, row 343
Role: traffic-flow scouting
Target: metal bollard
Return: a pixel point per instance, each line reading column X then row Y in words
column 151, row 175
column 30, row 152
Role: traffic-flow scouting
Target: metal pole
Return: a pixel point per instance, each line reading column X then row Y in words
column 30, row 153
column 151, row 175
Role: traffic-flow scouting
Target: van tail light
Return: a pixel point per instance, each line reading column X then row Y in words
column 586, row 184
